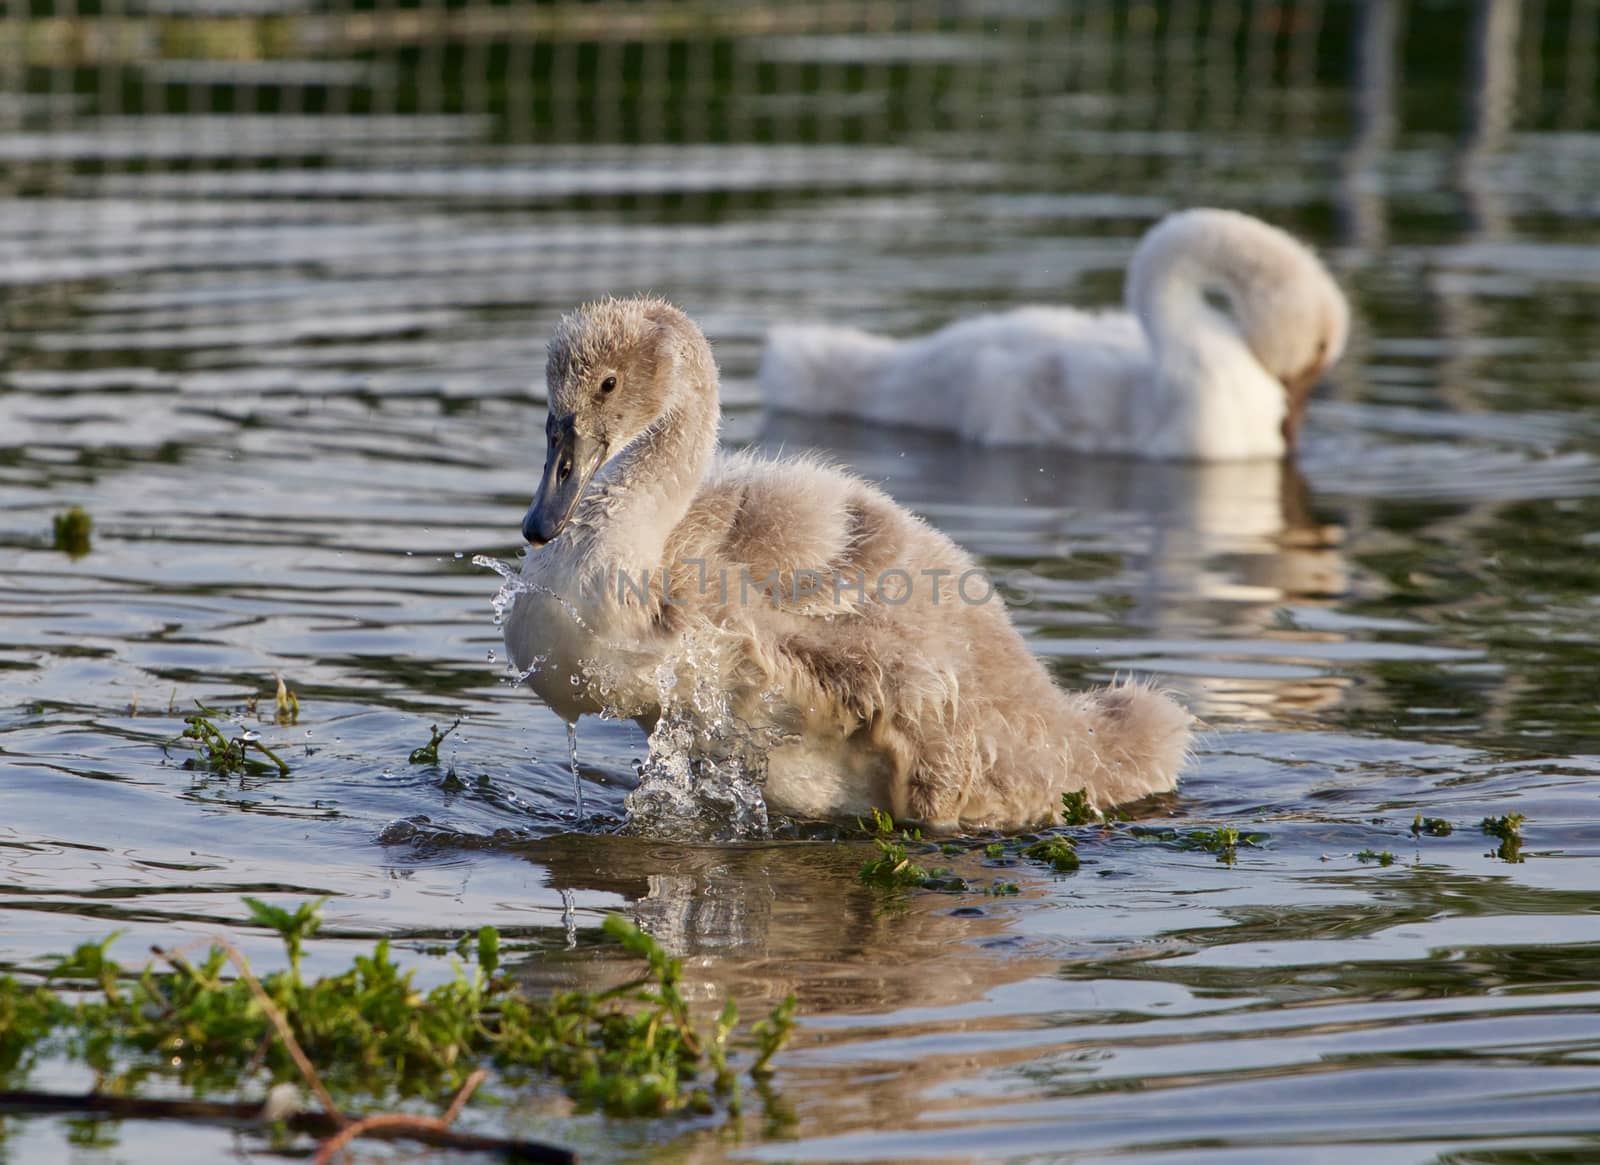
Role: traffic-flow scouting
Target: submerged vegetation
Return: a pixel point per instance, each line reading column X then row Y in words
column 223, row 756
column 1508, row 830
column 70, row 531
column 286, row 705
column 893, row 867
column 1057, row 852
column 1224, row 841
column 369, row 1034
column 428, row 754
column 1076, row 810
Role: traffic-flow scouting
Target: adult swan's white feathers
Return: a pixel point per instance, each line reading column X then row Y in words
column 1230, row 324
column 855, row 637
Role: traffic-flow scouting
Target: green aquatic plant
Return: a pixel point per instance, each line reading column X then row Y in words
column 70, row 530
column 1508, row 830
column 1367, row 856
column 223, row 756
column 428, row 754
column 1057, row 852
column 370, row 1034
column 286, row 704
column 892, row 868
column 770, row 1034
column 1431, row 826
column 1076, row 810
column 294, row 928
column 1225, row 841
column 1215, row 841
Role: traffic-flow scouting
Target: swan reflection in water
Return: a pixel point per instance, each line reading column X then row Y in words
column 763, row 919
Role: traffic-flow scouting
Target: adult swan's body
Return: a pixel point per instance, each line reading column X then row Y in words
column 1230, row 324
column 889, row 674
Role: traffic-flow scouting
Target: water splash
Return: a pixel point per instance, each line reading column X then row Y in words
column 705, row 767
column 703, row 775
column 514, row 583
column 577, row 777
column 569, row 919
column 695, row 786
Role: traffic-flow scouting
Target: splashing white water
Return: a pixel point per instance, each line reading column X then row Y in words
column 514, row 583
column 702, row 779
column 577, row 777
column 705, row 767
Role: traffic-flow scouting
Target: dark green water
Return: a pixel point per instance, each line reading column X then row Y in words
column 277, row 323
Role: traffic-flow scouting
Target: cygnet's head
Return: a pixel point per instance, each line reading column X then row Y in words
column 616, row 368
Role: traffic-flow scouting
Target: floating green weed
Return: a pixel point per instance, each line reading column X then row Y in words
column 286, row 705
column 1057, row 852
column 70, row 530
column 1431, row 826
column 1225, row 841
column 1367, row 856
column 1076, row 810
column 1219, row 840
column 893, row 867
column 1509, row 830
column 428, row 754
column 770, row 1034
column 370, row 1033
column 223, row 756
column 293, row 928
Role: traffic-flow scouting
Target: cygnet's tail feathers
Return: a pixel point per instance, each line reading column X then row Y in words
column 821, row 370
column 1142, row 741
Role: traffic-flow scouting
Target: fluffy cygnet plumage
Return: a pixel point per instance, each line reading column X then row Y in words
column 859, row 639
column 1229, row 325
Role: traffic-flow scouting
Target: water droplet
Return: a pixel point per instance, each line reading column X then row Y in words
column 250, row 736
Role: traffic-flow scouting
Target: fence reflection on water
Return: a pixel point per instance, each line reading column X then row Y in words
column 1018, row 85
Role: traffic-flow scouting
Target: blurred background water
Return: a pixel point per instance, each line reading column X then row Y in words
column 275, row 280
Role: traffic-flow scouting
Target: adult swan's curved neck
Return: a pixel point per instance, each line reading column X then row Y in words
column 1226, row 302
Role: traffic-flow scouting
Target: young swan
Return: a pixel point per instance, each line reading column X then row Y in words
column 1230, row 324
column 797, row 600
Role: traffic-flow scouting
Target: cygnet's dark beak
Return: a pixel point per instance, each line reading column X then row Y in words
column 569, row 465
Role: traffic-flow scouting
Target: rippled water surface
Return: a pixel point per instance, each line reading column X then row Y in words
column 276, row 319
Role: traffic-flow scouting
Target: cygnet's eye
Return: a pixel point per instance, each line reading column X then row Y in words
column 608, row 384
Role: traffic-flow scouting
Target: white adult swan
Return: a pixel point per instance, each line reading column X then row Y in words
column 858, row 637
column 1230, row 324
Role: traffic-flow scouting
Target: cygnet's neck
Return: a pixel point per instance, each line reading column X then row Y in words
column 1208, row 397
column 642, row 493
